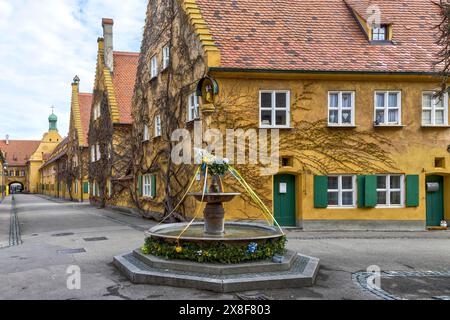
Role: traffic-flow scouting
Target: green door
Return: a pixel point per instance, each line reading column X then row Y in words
column 284, row 200
column 435, row 202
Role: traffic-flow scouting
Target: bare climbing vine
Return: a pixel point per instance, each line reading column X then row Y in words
column 167, row 97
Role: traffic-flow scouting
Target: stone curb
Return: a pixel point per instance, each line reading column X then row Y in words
column 302, row 274
column 360, row 279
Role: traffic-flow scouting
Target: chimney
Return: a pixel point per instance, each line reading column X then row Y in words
column 7, row 139
column 109, row 46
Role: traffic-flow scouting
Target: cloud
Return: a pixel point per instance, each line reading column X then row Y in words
column 44, row 44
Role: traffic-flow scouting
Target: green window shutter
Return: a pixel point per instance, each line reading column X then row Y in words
column 412, row 191
column 154, row 186
column 361, row 191
column 320, row 192
column 140, row 185
column 86, row 187
column 370, row 193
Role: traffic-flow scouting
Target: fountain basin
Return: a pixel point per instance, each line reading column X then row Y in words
column 242, row 242
column 235, row 232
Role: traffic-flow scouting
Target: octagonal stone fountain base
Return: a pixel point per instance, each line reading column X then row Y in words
column 295, row 271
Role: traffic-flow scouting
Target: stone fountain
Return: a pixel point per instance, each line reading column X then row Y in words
column 289, row 271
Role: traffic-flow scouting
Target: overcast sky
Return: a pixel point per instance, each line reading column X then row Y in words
column 43, row 45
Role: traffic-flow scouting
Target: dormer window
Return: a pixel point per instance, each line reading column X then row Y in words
column 380, row 33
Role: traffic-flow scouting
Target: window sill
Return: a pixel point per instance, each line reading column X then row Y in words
column 157, row 138
column 395, row 126
column 342, row 208
column 279, row 128
column 153, row 78
column 145, row 141
column 381, row 42
column 338, row 126
column 425, row 126
column 389, row 207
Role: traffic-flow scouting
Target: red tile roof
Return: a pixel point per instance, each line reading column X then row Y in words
column 320, row 35
column 18, row 152
column 124, row 78
column 85, row 102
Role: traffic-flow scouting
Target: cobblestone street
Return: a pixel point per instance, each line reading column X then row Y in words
column 58, row 234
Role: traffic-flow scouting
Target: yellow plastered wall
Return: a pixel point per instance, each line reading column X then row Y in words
column 413, row 151
column 48, row 144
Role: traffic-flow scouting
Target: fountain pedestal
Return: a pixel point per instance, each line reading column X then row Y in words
column 214, row 213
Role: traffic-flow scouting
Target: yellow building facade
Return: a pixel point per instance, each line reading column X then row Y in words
column 78, row 147
column 110, row 150
column 363, row 136
column 48, row 144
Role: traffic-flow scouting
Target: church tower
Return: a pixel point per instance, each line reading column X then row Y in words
column 49, row 142
column 53, row 120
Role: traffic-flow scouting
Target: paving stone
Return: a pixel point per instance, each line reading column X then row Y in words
column 72, row 251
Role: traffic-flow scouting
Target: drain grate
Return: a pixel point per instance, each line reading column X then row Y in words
column 72, row 251
column 95, row 239
column 63, row 234
column 256, row 297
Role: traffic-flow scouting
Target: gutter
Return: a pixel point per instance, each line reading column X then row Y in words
column 303, row 71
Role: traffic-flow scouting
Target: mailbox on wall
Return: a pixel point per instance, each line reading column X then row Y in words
column 433, row 187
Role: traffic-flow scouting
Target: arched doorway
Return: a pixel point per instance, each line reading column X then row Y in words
column 16, row 187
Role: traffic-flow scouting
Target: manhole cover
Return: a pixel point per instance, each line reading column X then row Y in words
column 72, row 251
column 256, row 297
column 63, row 234
column 95, row 239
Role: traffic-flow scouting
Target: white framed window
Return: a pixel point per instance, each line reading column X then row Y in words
column 274, row 109
column 75, row 185
column 166, row 57
column 146, row 133
column 110, row 189
column 158, row 126
column 154, row 67
column 147, row 185
column 341, row 108
column 75, row 161
column 97, row 149
column 342, row 191
column 97, row 112
column 434, row 109
column 380, row 33
column 388, row 107
column 93, row 158
column 94, row 189
column 110, row 151
column 193, row 107
column 390, row 191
